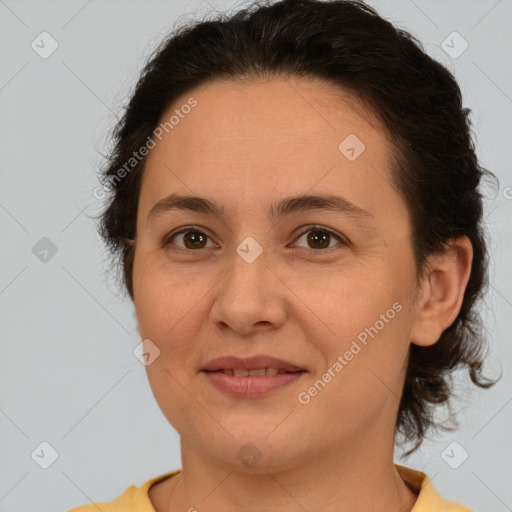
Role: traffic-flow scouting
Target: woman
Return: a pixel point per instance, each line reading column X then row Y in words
column 295, row 207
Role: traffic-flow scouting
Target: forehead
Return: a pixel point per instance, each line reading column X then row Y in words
column 278, row 121
column 273, row 114
column 274, row 137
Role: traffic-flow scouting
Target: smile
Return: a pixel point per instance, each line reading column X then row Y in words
column 243, row 372
column 257, row 383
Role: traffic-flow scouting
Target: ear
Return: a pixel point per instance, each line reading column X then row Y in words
column 442, row 291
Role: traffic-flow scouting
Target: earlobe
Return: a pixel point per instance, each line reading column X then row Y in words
column 442, row 292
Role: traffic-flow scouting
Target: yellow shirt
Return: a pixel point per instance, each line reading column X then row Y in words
column 137, row 500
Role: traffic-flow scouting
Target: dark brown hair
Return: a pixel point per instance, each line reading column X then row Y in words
column 418, row 104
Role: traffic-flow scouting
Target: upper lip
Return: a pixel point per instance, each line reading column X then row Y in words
column 249, row 363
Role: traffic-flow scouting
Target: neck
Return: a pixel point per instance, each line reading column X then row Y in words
column 359, row 477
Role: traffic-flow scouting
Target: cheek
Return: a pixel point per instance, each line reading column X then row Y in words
column 345, row 301
column 360, row 382
column 170, row 312
column 359, row 323
column 165, row 303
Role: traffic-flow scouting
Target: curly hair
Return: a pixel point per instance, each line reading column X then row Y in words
column 419, row 106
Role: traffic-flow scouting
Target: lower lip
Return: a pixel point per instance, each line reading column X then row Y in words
column 252, row 386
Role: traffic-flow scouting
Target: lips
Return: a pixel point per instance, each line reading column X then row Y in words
column 253, row 377
column 251, row 366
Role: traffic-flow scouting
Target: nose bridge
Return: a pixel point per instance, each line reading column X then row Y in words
column 249, row 293
column 248, row 272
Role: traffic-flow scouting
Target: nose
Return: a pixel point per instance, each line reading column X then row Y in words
column 250, row 298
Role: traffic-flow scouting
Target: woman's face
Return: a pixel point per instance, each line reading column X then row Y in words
column 325, row 285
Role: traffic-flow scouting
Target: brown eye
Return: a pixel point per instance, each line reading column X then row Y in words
column 192, row 239
column 320, row 238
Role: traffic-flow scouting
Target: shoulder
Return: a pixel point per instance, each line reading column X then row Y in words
column 428, row 498
column 133, row 499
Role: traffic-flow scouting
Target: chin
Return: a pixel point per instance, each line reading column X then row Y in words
column 255, row 454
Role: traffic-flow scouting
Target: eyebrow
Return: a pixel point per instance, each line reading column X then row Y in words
column 277, row 210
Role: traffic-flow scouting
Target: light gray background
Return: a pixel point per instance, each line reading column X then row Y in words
column 68, row 374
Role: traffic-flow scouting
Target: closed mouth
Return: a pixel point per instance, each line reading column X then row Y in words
column 244, row 372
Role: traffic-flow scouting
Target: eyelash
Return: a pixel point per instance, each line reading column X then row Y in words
column 342, row 242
